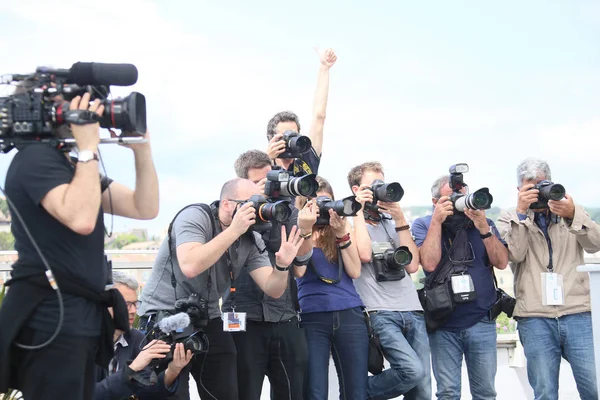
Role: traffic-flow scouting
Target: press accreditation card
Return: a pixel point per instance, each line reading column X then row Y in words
column 552, row 289
column 234, row 321
column 462, row 284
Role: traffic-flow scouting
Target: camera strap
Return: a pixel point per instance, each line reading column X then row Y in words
column 231, row 276
column 329, row 280
column 207, row 210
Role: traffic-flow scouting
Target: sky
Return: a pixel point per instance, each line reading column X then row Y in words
column 418, row 86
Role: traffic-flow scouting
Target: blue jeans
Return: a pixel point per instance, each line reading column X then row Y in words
column 478, row 345
column 545, row 340
column 344, row 334
column 405, row 345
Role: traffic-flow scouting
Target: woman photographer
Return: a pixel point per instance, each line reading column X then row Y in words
column 332, row 315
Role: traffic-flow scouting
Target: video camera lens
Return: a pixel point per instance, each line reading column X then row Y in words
column 127, row 114
column 387, row 192
column 277, row 211
column 195, row 344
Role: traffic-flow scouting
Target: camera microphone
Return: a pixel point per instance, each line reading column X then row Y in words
column 174, row 323
column 92, row 73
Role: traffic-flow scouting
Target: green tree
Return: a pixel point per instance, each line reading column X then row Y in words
column 7, row 241
column 123, row 240
column 4, row 206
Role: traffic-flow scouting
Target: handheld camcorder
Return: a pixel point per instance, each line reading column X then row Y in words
column 389, row 263
column 295, row 145
column 281, row 184
column 268, row 210
column 478, row 200
column 40, row 103
column 347, row 207
column 185, row 326
column 548, row 191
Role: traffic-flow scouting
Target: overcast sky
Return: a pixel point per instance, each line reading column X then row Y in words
column 418, row 85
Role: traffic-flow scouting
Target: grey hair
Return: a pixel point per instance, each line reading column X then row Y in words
column 437, row 186
column 531, row 169
column 125, row 279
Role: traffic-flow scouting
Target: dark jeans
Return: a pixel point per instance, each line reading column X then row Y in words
column 344, row 334
column 278, row 350
column 65, row 369
column 214, row 372
column 546, row 340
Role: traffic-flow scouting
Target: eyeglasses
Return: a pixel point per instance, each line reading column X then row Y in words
column 135, row 304
column 238, row 201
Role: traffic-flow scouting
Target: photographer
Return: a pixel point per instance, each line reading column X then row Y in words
column 273, row 344
column 470, row 330
column 208, row 254
column 547, row 235
column 331, row 308
column 307, row 163
column 62, row 203
column 393, row 306
column 128, row 372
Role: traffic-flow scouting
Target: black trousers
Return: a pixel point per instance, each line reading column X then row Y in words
column 215, row 371
column 65, row 369
column 277, row 350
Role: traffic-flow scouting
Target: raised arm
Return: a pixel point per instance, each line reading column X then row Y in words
column 328, row 58
column 431, row 249
column 579, row 222
column 141, row 203
column 348, row 249
column 495, row 249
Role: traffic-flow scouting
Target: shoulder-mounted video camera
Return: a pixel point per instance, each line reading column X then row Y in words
column 280, row 183
column 295, row 145
column 40, row 103
column 389, row 263
column 347, row 207
column 548, row 191
column 479, row 200
column 185, row 325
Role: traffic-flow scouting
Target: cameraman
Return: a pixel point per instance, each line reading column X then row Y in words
column 62, row 202
column 208, row 254
column 394, row 309
column 307, row 163
column 543, row 240
column 273, row 344
column 470, row 330
column 128, row 372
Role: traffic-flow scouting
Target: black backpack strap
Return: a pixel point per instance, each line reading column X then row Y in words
column 207, row 210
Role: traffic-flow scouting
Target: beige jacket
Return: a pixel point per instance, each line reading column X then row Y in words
column 529, row 256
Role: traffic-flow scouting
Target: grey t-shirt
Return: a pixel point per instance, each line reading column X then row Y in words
column 194, row 225
column 391, row 295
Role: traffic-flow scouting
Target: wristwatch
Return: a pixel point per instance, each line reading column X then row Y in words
column 487, row 235
column 85, row 156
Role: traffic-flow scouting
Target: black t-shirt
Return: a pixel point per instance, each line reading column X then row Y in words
column 307, row 163
column 34, row 171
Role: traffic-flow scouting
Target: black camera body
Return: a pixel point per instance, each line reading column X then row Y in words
column 347, row 207
column 41, row 102
column 386, row 192
column 481, row 199
column 295, row 145
column 280, row 183
column 389, row 263
column 504, row 303
column 268, row 210
column 191, row 336
column 548, row 191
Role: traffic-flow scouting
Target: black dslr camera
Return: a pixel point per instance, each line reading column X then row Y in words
column 548, row 191
column 478, row 200
column 40, row 103
column 185, row 326
column 347, row 207
column 389, row 263
column 504, row 303
column 268, row 210
column 295, row 145
column 281, row 183
column 386, row 192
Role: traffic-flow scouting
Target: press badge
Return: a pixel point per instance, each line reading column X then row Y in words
column 234, row 321
column 463, row 288
column 552, row 289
